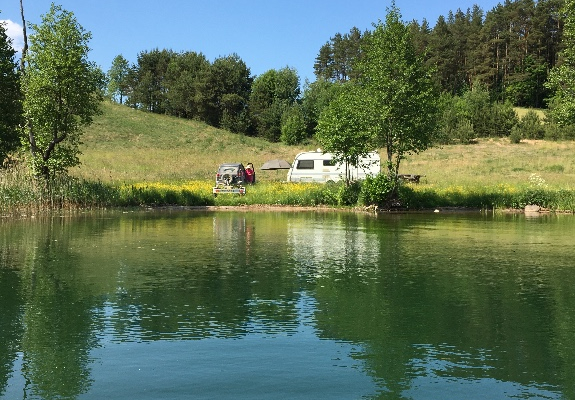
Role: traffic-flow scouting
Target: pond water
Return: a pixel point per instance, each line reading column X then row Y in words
column 260, row 305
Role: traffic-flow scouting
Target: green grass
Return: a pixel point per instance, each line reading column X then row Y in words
column 128, row 146
column 133, row 158
column 521, row 111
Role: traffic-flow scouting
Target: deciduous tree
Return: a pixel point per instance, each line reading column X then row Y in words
column 344, row 127
column 401, row 102
column 272, row 94
column 118, row 85
column 62, row 91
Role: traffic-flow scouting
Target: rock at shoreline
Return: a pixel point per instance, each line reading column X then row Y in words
column 532, row 208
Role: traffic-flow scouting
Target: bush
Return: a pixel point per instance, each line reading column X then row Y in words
column 515, row 136
column 293, row 126
column 555, row 132
column 376, row 190
column 348, row 195
column 530, row 126
column 465, row 132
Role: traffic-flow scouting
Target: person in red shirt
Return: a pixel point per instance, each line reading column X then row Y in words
column 250, row 173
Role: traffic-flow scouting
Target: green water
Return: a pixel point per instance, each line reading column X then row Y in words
column 266, row 305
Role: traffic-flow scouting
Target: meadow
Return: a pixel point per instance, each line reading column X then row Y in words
column 132, row 158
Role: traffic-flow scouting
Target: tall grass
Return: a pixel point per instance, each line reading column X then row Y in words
column 22, row 193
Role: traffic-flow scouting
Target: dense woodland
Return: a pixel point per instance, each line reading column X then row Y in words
column 506, row 54
column 509, row 49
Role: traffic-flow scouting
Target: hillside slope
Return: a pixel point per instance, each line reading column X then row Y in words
column 127, row 145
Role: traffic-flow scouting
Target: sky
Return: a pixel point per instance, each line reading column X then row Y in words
column 265, row 34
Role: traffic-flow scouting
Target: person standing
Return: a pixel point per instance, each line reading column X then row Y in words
column 250, row 174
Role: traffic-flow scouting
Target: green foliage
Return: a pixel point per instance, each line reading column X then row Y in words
column 148, row 86
column 502, row 118
column 530, row 126
column 316, row 97
column 293, row 125
column 117, row 77
column 10, row 106
column 343, row 128
column 555, row 132
column 516, row 135
column 273, row 93
column 227, row 93
column 185, row 80
column 474, row 115
column 377, row 190
column 398, row 92
column 464, row 132
column 348, row 195
column 62, row 92
column 336, row 58
column 562, row 77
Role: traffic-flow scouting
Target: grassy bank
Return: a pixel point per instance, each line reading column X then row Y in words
column 28, row 196
column 132, row 158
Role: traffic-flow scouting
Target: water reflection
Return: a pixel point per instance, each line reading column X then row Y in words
column 401, row 306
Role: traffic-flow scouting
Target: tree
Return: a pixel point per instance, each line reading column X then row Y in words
column 401, row 102
column 10, row 106
column 316, row 97
column 148, row 82
column 62, row 92
column 293, row 125
column 186, row 78
column 118, row 79
column 335, row 59
column 343, row 128
column 562, row 77
column 273, row 93
column 227, row 93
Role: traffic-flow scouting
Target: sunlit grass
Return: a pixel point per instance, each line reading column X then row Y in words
column 494, row 162
column 133, row 158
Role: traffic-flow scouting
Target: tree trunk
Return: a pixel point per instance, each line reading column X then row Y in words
column 25, row 48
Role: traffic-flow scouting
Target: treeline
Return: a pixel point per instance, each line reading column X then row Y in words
column 222, row 93
column 510, row 50
column 483, row 63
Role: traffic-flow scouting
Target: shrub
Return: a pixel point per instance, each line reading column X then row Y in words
column 465, row 132
column 555, row 132
column 530, row 126
column 376, row 190
column 348, row 195
column 515, row 136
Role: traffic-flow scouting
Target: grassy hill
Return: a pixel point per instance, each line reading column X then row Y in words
column 127, row 146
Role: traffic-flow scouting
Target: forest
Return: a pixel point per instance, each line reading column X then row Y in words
column 493, row 60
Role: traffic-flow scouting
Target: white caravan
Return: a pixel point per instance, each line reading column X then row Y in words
column 316, row 166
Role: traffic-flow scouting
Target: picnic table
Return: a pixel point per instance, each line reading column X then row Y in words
column 410, row 177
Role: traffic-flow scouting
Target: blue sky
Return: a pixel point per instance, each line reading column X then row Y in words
column 266, row 34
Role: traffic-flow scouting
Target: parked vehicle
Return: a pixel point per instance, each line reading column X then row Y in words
column 231, row 174
column 230, row 178
column 316, row 166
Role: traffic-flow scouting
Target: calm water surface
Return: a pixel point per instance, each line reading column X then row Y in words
column 262, row 305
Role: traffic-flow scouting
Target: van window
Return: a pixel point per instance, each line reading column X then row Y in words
column 305, row 164
column 328, row 163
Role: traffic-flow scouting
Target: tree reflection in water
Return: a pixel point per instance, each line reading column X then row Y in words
column 473, row 303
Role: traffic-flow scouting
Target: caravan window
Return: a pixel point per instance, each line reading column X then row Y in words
column 305, row 164
column 328, row 163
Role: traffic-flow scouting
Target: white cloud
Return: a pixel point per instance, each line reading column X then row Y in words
column 14, row 31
